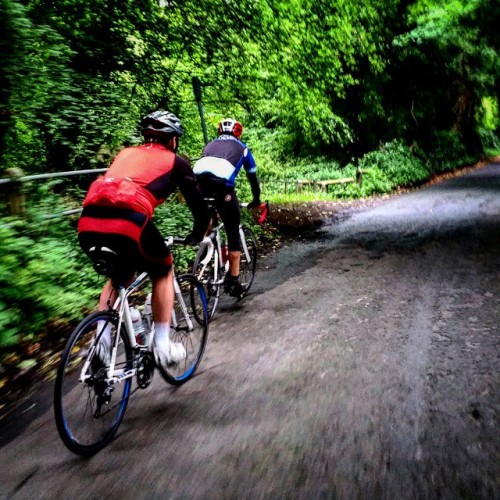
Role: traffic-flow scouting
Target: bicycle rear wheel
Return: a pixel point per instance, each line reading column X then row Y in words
column 88, row 409
column 248, row 264
column 210, row 276
column 186, row 329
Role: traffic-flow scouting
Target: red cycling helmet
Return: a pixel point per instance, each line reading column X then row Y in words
column 230, row 126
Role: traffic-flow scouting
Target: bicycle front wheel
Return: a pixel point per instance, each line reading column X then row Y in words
column 248, row 260
column 190, row 302
column 210, row 276
column 88, row 408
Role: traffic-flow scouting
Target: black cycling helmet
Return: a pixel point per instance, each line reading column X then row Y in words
column 161, row 125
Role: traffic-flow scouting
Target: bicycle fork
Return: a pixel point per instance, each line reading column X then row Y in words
column 185, row 312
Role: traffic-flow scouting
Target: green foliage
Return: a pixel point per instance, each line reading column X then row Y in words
column 175, row 219
column 10, row 313
column 395, row 164
column 306, row 195
column 489, row 117
column 39, row 281
column 317, row 84
column 491, row 141
column 448, row 55
column 448, row 151
column 38, row 103
column 489, row 125
column 309, row 77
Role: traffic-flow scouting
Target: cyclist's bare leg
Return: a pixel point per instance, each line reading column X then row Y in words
column 108, row 295
column 234, row 262
column 232, row 284
column 163, row 298
column 107, row 298
column 163, row 303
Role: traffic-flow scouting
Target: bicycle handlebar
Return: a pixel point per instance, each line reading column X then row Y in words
column 172, row 240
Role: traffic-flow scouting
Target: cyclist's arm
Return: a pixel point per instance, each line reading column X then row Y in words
column 254, row 184
column 251, row 171
column 186, row 181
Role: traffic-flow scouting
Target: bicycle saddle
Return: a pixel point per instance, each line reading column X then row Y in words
column 105, row 261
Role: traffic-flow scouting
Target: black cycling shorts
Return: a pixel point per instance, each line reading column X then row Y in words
column 226, row 204
column 131, row 234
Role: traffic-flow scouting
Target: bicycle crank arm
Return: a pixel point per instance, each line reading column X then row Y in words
column 120, row 377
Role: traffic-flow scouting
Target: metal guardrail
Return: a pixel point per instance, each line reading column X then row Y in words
column 16, row 193
column 52, row 175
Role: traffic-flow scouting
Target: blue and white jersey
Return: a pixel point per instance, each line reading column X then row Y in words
column 224, row 157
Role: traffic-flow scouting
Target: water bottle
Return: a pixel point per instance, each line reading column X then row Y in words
column 139, row 330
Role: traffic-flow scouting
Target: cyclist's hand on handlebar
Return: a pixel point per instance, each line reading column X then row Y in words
column 254, row 204
column 261, row 207
column 191, row 240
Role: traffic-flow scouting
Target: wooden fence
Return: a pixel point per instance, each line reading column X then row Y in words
column 324, row 185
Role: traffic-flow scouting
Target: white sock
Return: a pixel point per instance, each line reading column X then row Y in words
column 162, row 334
column 106, row 334
column 165, row 348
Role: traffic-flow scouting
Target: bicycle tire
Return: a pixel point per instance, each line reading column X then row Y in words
column 247, row 268
column 189, row 331
column 206, row 277
column 85, row 419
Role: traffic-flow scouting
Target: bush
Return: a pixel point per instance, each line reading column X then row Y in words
column 42, row 277
column 448, row 152
column 395, row 164
column 491, row 141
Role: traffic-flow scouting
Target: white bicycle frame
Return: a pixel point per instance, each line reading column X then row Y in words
column 244, row 244
column 121, row 305
column 209, row 244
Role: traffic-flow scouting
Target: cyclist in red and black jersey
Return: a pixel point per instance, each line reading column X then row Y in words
column 118, row 210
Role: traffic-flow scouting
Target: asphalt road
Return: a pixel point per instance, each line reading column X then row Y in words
column 365, row 364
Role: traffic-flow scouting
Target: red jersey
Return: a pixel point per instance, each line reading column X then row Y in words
column 140, row 178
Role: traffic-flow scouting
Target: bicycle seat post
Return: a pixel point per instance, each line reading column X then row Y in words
column 212, row 212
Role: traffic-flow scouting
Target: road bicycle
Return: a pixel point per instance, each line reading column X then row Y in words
column 90, row 399
column 211, row 262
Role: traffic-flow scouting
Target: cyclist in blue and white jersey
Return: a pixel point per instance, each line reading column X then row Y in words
column 217, row 169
